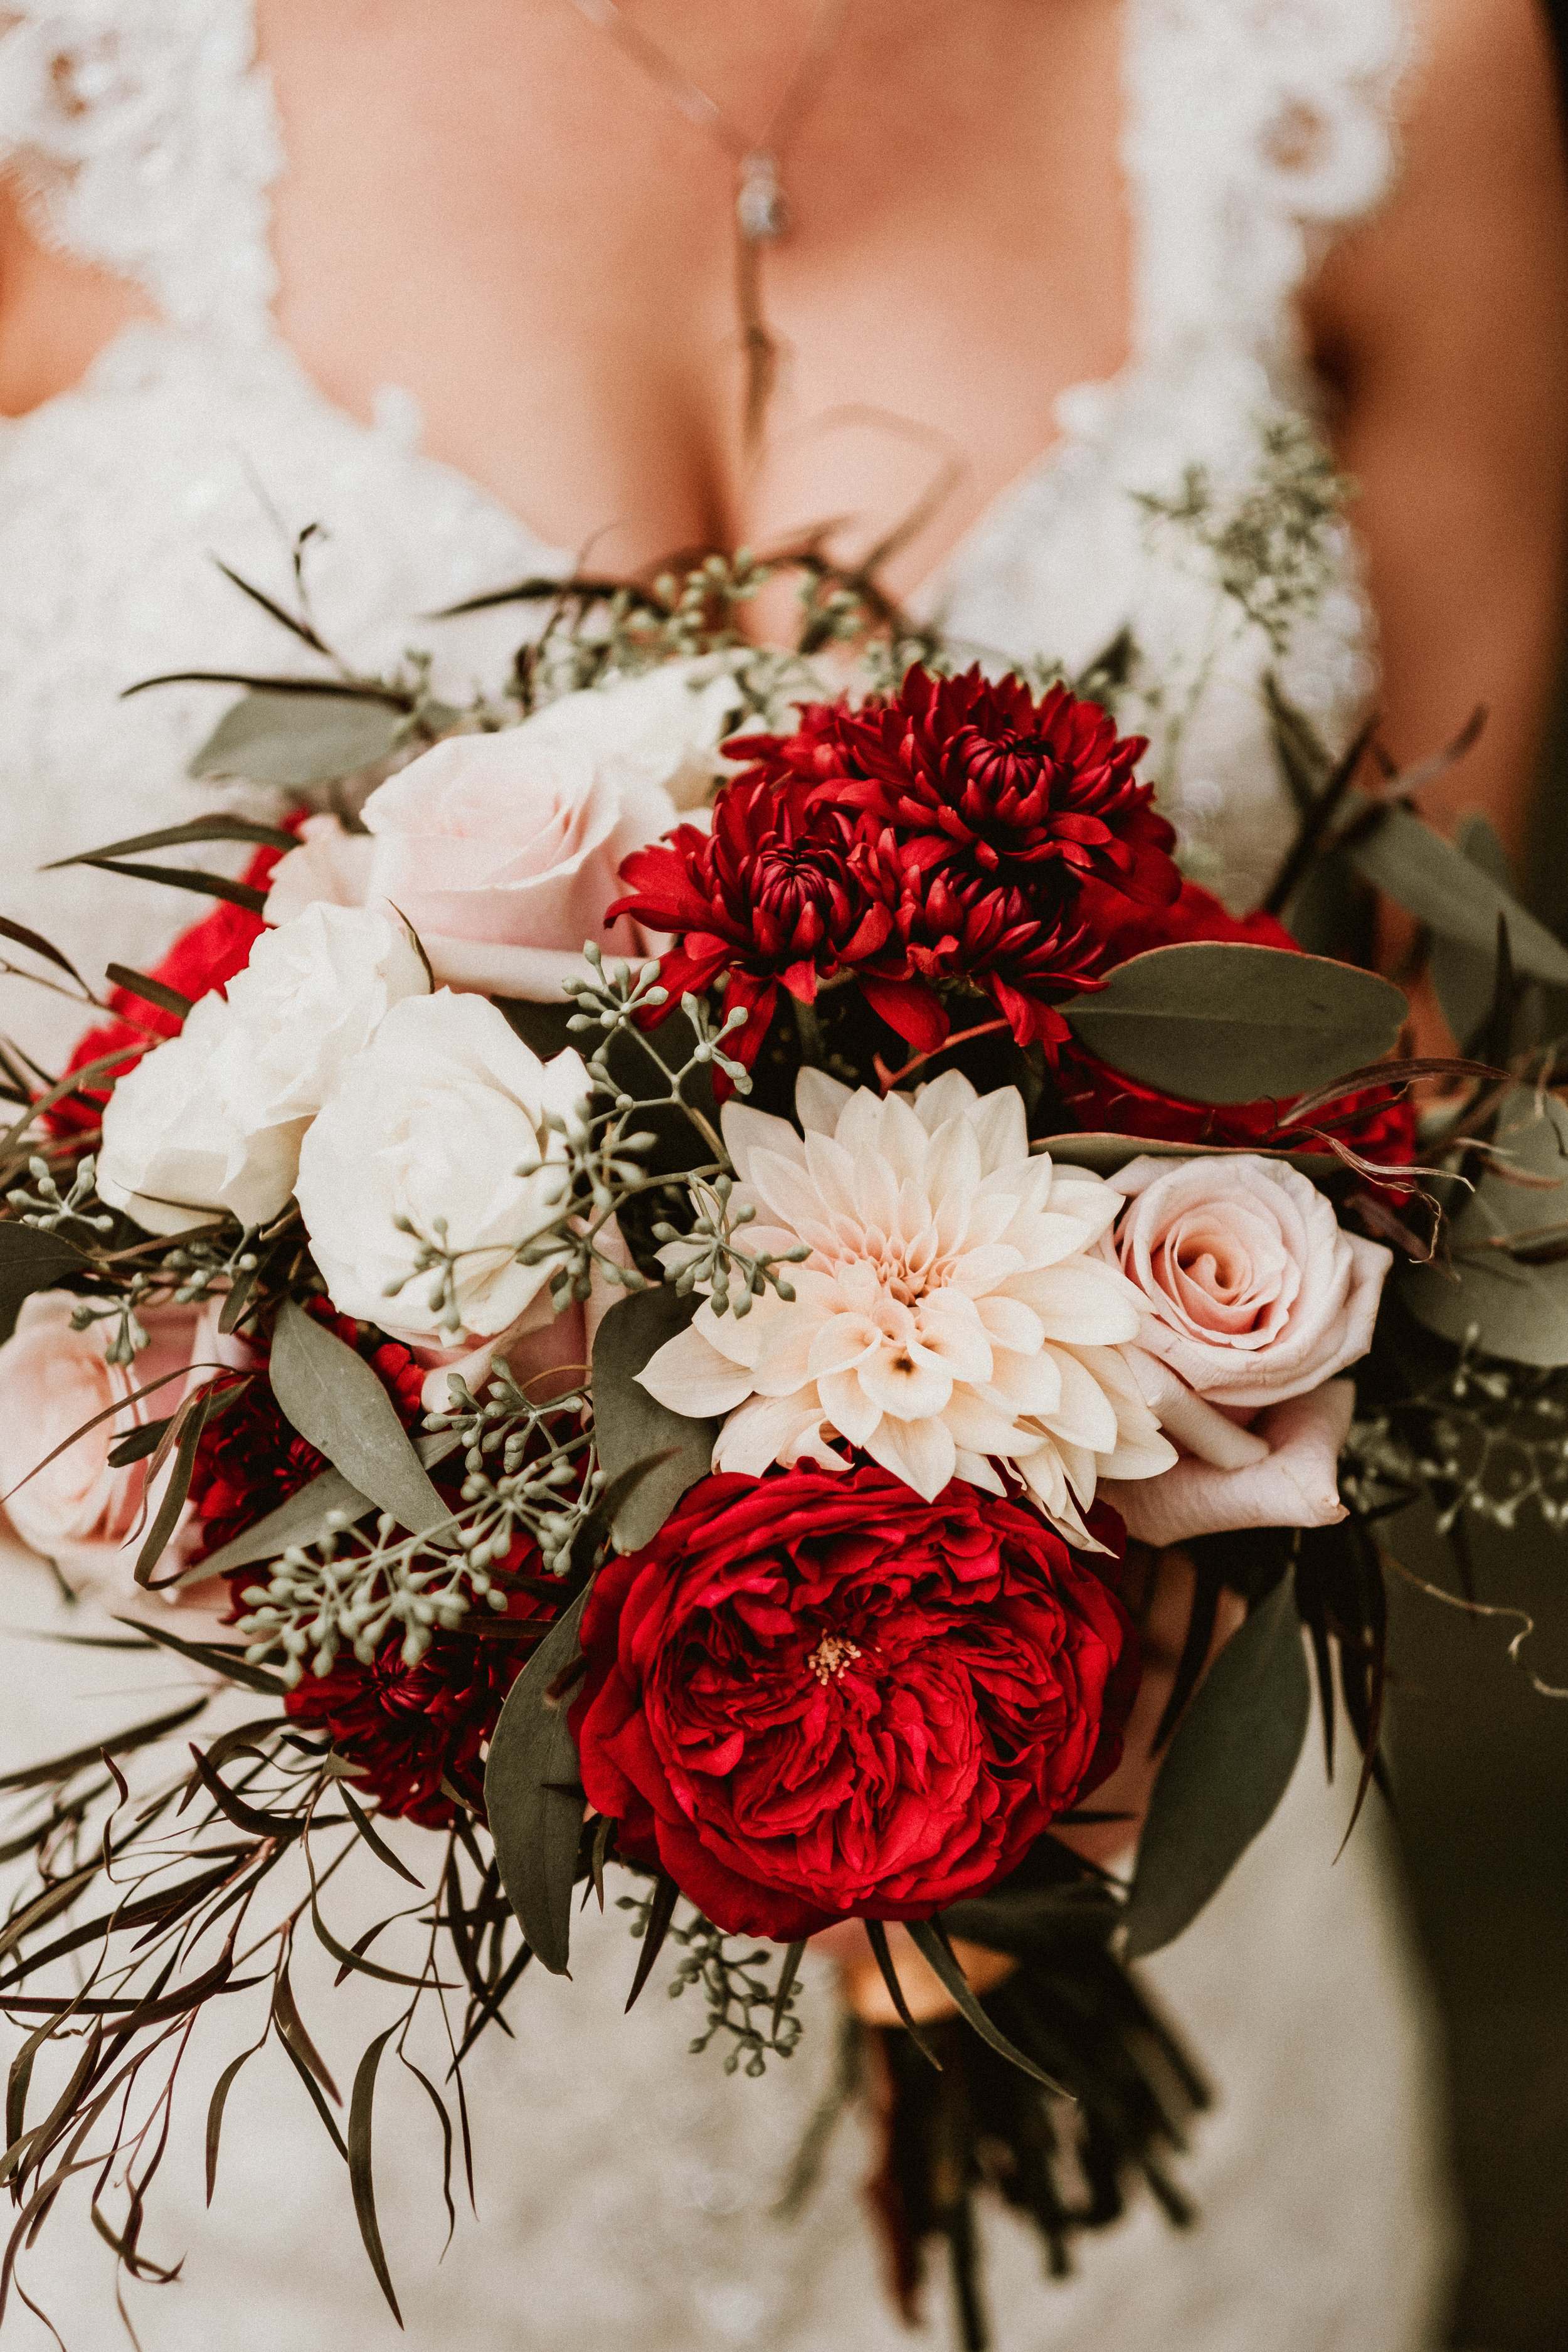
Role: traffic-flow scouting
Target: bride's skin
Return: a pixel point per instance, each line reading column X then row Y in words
column 491, row 203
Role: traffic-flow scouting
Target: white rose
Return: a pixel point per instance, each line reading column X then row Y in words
column 171, row 1155
column 214, row 1118
column 432, row 1123
column 313, row 995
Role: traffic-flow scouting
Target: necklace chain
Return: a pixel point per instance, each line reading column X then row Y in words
column 762, row 212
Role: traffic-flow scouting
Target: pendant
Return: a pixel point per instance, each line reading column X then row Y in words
column 760, row 206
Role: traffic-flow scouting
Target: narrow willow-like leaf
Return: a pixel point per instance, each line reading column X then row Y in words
column 1226, row 1768
column 180, row 836
column 361, row 2169
column 934, row 1947
column 330, row 1394
column 152, row 991
column 190, row 1421
column 217, row 1657
column 534, row 1822
column 215, row 2106
column 661, row 1911
column 142, row 1735
column 181, row 877
column 292, row 2026
column 876, row 1937
column 39, row 946
column 376, row 1843
column 631, row 1427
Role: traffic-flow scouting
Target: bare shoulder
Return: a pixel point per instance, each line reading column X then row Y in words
column 1478, row 214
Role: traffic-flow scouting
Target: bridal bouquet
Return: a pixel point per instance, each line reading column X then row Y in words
column 648, row 1294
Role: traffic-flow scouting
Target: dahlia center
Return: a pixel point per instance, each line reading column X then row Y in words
column 832, row 1654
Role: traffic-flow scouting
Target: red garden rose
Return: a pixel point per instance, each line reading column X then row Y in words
column 815, row 1696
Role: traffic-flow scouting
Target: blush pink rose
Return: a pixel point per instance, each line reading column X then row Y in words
column 1291, row 1482
column 81, row 1511
column 502, row 850
column 1252, row 1292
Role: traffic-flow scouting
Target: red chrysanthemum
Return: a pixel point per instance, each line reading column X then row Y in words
column 202, row 959
column 1103, row 1099
column 409, row 1728
column 814, row 1697
column 942, row 836
column 249, row 1459
column 775, row 896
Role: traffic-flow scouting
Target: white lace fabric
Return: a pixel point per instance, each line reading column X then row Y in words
column 626, row 2186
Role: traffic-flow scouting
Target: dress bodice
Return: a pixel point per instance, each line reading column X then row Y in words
column 628, row 2186
column 145, row 134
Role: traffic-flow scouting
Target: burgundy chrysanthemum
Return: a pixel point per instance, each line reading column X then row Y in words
column 409, row 1728
column 777, row 895
column 977, row 777
column 943, row 837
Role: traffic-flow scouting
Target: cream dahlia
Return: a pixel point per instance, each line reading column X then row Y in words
column 952, row 1316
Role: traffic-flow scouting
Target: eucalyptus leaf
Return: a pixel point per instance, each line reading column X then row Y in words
column 532, row 1800
column 1108, row 1155
column 632, row 1427
column 1226, row 1768
column 1455, row 895
column 270, row 736
column 1465, row 976
column 305, row 1517
column 30, row 1259
column 1519, row 1311
column 330, row 1394
column 1223, row 1022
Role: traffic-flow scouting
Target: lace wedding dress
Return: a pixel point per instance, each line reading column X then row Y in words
column 626, row 2187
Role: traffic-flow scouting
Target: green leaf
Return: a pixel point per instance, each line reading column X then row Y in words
column 1464, row 975
column 303, row 1519
column 631, row 1427
column 151, row 991
column 181, row 877
column 1455, row 894
column 330, row 1394
column 277, row 738
column 535, row 1820
column 1226, row 1768
column 176, row 837
column 1224, row 1022
column 1519, row 1310
column 935, row 1949
column 215, row 2113
column 30, row 1260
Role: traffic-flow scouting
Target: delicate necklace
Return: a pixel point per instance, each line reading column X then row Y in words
column 762, row 215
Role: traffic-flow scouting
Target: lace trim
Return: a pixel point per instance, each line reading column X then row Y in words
column 147, row 140
column 1255, row 129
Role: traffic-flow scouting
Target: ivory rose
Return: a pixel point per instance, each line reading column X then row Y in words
column 79, row 1510
column 504, row 850
column 1250, row 1289
column 431, row 1123
column 214, row 1118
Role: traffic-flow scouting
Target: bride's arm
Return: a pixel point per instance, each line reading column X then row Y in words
column 1442, row 325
